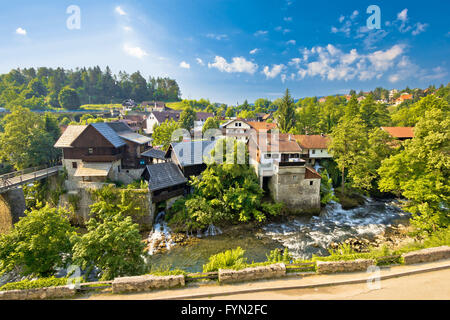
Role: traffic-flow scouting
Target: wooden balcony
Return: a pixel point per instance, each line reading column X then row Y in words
column 102, row 158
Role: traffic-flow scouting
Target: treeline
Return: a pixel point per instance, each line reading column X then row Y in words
column 44, row 88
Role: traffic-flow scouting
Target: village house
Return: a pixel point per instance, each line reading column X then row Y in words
column 154, row 156
column 200, row 120
column 404, row 97
column 277, row 161
column 241, row 129
column 189, row 156
column 166, row 184
column 101, row 151
column 400, row 133
column 158, row 117
column 314, row 147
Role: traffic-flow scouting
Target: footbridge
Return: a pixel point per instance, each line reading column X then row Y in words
column 15, row 179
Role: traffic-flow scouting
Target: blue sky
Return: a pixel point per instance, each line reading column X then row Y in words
column 233, row 50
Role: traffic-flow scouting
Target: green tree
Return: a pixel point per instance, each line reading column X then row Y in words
column 326, row 188
column 348, row 142
column 210, row 123
column 38, row 244
column 285, row 114
column 421, row 171
column 68, row 99
column 26, row 140
column 187, row 118
column 112, row 244
column 364, row 174
column 229, row 113
column 162, row 134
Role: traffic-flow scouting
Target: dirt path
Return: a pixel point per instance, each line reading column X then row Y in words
column 396, row 283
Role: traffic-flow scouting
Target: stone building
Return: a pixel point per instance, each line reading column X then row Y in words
column 277, row 162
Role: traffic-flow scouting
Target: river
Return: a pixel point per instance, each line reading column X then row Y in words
column 303, row 236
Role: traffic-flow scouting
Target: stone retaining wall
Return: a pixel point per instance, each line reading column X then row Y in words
column 38, row 293
column 146, row 283
column 253, row 273
column 427, row 255
column 343, row 265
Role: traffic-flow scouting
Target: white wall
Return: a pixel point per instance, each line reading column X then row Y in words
column 319, row 153
column 151, row 121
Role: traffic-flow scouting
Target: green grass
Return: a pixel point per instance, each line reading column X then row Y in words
column 224, row 260
column 179, row 105
column 100, row 106
column 33, row 284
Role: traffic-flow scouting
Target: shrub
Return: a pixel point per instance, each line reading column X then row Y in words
column 277, row 255
column 228, row 259
column 33, row 284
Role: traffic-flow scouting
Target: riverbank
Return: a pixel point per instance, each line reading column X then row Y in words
column 302, row 286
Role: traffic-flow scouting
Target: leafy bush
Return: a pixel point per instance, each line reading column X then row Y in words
column 277, row 255
column 33, row 284
column 228, row 259
column 38, row 244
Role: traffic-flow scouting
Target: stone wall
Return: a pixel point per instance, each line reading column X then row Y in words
column 427, row 255
column 288, row 185
column 39, row 293
column 253, row 273
column 12, row 207
column 344, row 265
column 146, row 283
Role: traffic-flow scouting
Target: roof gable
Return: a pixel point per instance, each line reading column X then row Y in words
column 70, row 134
column 192, row 152
column 316, row 141
column 164, row 175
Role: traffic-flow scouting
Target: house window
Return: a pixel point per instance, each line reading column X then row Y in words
column 74, row 165
column 294, row 177
column 91, row 150
column 314, row 151
column 267, row 156
column 311, row 183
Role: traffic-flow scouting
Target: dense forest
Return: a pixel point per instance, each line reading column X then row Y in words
column 47, row 88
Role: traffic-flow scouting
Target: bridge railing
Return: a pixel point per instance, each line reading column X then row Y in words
column 27, row 171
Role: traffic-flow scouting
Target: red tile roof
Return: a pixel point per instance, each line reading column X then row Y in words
column 262, row 126
column 400, row 132
column 282, row 144
column 310, row 173
column 313, row 141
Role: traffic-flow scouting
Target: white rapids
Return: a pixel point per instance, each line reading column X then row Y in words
column 160, row 232
column 313, row 235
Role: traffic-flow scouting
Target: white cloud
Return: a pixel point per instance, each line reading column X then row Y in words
column 136, row 52
column 382, row 60
column 276, row 70
column 341, row 18
column 331, row 63
column 127, row 28
column 21, row 31
column 354, row 14
column 120, row 11
column 293, row 42
column 238, row 64
column 217, row 36
column 295, row 62
column 185, row 65
column 287, row 19
column 261, row 33
column 283, row 78
column 403, row 15
column 254, row 51
column 420, row 27
column 200, row 61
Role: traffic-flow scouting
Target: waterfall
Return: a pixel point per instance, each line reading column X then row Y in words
column 212, row 230
column 160, row 236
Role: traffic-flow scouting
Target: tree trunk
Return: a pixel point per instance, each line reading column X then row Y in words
column 343, row 180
